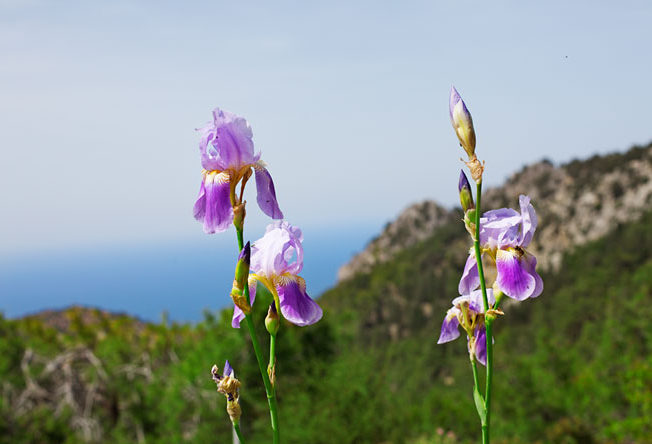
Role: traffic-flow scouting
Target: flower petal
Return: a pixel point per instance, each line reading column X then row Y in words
column 266, row 194
column 530, row 263
column 213, row 205
column 513, row 276
column 529, row 220
column 296, row 306
column 476, row 301
column 226, row 143
column 500, row 228
column 199, row 210
column 470, row 278
column 279, row 251
column 481, row 345
column 449, row 330
column 228, row 370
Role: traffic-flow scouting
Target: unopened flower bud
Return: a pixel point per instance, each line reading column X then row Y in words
column 239, row 214
column 272, row 319
column 241, row 279
column 466, row 198
column 462, row 122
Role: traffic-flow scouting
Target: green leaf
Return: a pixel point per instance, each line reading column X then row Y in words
column 479, row 405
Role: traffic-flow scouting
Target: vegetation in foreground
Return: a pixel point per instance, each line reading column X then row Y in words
column 576, row 367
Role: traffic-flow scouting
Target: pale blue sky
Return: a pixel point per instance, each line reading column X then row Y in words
column 347, row 100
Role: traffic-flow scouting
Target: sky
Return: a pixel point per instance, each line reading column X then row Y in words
column 348, row 102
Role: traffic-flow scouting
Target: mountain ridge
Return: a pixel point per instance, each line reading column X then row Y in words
column 591, row 197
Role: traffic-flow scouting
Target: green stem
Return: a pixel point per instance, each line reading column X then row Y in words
column 476, row 379
column 269, row 389
column 236, row 427
column 272, row 351
column 488, row 321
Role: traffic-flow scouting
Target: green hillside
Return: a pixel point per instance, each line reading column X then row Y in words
column 573, row 366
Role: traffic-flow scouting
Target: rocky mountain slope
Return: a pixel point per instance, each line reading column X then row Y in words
column 576, row 203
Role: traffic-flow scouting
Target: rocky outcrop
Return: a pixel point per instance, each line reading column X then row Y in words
column 576, row 203
column 414, row 224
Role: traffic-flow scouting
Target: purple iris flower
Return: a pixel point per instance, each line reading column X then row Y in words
column 468, row 312
column 276, row 261
column 504, row 235
column 227, row 156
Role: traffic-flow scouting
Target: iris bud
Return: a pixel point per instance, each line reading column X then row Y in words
column 241, row 280
column 272, row 320
column 462, row 122
column 466, row 198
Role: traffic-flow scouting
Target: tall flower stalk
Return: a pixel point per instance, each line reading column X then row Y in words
column 499, row 237
column 228, row 159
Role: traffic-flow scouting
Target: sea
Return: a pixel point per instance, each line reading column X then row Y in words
column 178, row 279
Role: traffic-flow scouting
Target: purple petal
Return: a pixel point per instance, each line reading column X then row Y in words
column 296, row 306
column 470, row 278
column 463, row 182
column 449, row 330
column 513, row 277
column 481, row 345
column 529, row 220
column 266, row 193
column 245, row 254
column 213, row 205
column 500, row 228
column 530, row 263
column 228, row 370
column 208, row 160
column 199, row 210
column 226, row 143
column 453, row 100
column 476, row 301
column 279, row 251
column 238, row 315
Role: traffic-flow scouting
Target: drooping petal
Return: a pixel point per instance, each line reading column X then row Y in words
column 470, row 278
column 266, row 194
column 449, row 330
column 530, row 263
column 296, row 306
column 199, row 210
column 480, row 348
column 238, row 315
column 513, row 277
column 213, row 205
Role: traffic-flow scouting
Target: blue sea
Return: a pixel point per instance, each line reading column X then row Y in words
column 181, row 279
